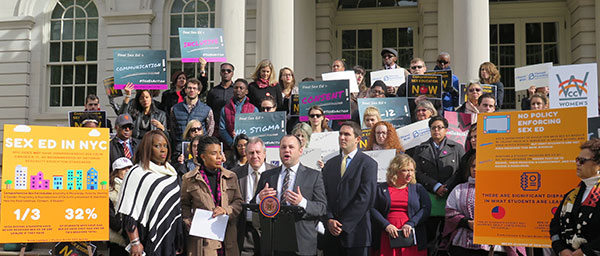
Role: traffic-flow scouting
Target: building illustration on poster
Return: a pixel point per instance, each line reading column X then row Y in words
column 57, row 182
column 20, row 177
column 92, row 179
column 38, row 182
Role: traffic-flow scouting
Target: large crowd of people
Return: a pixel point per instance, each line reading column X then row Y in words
column 172, row 157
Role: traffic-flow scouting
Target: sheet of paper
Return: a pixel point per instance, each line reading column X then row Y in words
column 341, row 75
column 391, row 77
column 203, row 225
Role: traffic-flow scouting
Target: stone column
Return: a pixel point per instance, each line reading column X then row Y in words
column 231, row 16
column 472, row 33
column 275, row 32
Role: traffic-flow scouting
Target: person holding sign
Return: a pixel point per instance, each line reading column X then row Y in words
column 538, row 101
column 450, row 95
column 350, row 183
column 297, row 185
column 144, row 112
column 383, row 136
column 318, row 122
column 489, row 74
column 474, row 91
column 401, row 208
column 574, row 228
column 458, row 227
column 437, row 164
column 239, row 103
column 264, row 84
column 187, row 165
column 371, row 116
column 268, row 104
column 214, row 188
column 154, row 227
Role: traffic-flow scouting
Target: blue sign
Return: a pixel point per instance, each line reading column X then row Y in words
column 204, row 43
column 269, row 126
column 145, row 69
column 394, row 110
column 332, row 96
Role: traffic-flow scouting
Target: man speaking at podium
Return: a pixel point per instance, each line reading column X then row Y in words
column 295, row 184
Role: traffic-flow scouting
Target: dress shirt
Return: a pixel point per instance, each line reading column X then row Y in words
column 291, row 182
column 250, row 186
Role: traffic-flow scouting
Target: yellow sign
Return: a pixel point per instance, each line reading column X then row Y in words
column 55, row 184
column 525, row 164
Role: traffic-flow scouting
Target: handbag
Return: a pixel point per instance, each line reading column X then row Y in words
column 401, row 241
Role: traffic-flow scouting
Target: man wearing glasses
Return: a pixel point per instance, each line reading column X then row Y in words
column 437, row 167
column 220, row 95
column 239, row 103
column 450, row 94
column 123, row 145
column 190, row 109
column 389, row 56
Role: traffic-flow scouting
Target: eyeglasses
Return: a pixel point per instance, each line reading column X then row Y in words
column 267, row 108
column 226, row 70
column 127, row 126
column 443, row 62
column 191, row 88
column 437, row 127
column 196, row 129
column 315, row 115
column 581, row 160
column 475, row 90
column 388, row 56
column 416, row 67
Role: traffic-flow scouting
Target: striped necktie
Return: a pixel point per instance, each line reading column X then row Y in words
column 126, row 150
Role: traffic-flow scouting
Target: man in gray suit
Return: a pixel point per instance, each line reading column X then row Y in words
column 296, row 184
column 248, row 176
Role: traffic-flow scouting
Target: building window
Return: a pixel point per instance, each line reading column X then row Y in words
column 541, row 42
column 502, row 54
column 400, row 39
column 189, row 14
column 351, row 4
column 357, row 49
column 73, row 53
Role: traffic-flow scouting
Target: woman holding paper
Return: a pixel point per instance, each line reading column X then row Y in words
column 460, row 212
column 383, row 136
column 474, row 91
column 149, row 200
column 574, row 228
column 400, row 210
column 213, row 188
column 264, row 85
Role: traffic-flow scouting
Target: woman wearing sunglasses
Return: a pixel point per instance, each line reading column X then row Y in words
column 474, row 91
column 574, row 228
column 318, row 122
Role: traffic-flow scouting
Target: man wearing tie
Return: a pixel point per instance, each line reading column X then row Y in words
column 295, row 184
column 123, row 145
column 350, row 181
column 248, row 176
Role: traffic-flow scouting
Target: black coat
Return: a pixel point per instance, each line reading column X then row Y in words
column 442, row 168
column 419, row 207
column 350, row 198
column 117, row 151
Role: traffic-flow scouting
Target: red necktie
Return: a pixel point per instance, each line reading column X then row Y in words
column 126, row 149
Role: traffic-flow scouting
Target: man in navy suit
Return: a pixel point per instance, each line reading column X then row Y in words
column 350, row 183
column 295, row 184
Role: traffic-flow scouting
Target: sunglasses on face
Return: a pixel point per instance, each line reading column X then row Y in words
column 267, row 108
column 128, row 126
column 196, row 129
column 581, row 160
column 416, row 67
column 315, row 115
column 475, row 90
column 443, row 62
column 226, row 70
column 388, row 56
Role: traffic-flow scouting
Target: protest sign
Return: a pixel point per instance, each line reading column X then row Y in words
column 186, row 150
column 310, row 157
column 272, row 156
column 343, row 75
column 394, row 110
column 364, row 139
column 487, row 88
column 295, row 105
column 332, row 96
column 574, row 86
column 428, row 85
column 525, row 164
column 55, row 184
column 109, row 87
column 269, row 126
column 391, row 77
column 593, row 127
column 74, row 249
column 414, row 134
column 458, row 126
column 145, row 69
column 383, row 159
column 76, row 118
column 532, row 75
column 446, row 78
column 207, row 43
column 327, row 142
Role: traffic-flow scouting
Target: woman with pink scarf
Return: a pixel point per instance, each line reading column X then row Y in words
column 264, row 85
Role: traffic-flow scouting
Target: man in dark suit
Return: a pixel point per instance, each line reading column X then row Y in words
column 123, row 145
column 248, row 177
column 350, row 182
column 296, row 184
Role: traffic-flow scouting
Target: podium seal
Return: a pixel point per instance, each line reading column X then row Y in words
column 269, row 206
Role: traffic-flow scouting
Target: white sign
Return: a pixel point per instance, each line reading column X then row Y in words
column 272, row 156
column 414, row 134
column 327, row 142
column 574, row 86
column 533, row 75
column 204, row 225
column 383, row 159
column 310, row 157
column 391, row 77
column 342, row 75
